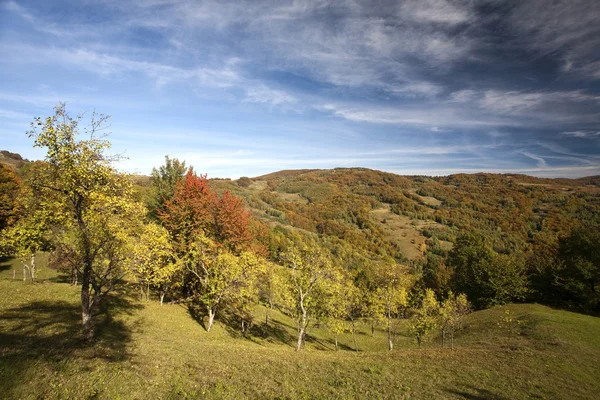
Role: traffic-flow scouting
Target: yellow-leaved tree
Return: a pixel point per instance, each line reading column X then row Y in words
column 153, row 261
column 92, row 205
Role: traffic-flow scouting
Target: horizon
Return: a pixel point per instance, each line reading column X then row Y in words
column 429, row 88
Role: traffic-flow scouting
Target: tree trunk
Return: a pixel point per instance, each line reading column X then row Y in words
column 354, row 336
column 86, row 301
column 301, row 331
column 24, row 272
column 267, row 317
column 372, row 328
column 86, row 306
column 443, row 338
column 211, row 318
column 389, row 332
column 336, row 342
column 32, row 268
column 162, row 297
column 148, row 292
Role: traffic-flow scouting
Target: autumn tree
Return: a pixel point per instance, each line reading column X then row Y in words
column 10, row 185
column 390, row 297
column 217, row 276
column 342, row 305
column 272, row 287
column 310, row 271
column 91, row 201
column 196, row 209
column 425, row 318
column 153, row 262
column 452, row 311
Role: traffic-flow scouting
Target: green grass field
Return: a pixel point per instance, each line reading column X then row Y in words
column 145, row 351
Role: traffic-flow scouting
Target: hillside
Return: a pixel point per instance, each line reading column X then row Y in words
column 149, row 351
column 13, row 160
column 410, row 216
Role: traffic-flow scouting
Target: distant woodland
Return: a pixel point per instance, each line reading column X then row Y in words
column 322, row 246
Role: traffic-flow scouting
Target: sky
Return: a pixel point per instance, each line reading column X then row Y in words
column 431, row 87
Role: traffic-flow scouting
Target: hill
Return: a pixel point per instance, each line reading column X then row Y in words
column 149, row 351
column 13, row 160
column 409, row 217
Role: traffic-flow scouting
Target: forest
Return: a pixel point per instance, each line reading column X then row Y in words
column 342, row 251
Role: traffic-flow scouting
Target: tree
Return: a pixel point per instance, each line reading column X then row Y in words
column 9, row 188
column 272, row 287
column 187, row 214
column 164, row 180
column 452, row 312
column 392, row 282
column 487, row 278
column 342, row 304
column 579, row 274
column 92, row 202
column 153, row 262
column 195, row 209
column 425, row 317
column 310, row 269
column 217, row 276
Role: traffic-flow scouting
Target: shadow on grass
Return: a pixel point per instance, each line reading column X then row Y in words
column 473, row 393
column 5, row 263
column 43, row 334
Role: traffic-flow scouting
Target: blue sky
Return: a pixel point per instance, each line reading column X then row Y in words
column 245, row 88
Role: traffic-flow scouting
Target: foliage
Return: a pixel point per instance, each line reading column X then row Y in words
column 163, row 181
column 9, row 188
column 91, row 203
column 311, row 278
column 217, row 276
column 153, row 262
column 485, row 277
column 425, row 318
column 452, row 312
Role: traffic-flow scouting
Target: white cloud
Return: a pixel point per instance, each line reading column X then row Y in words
column 583, row 134
column 541, row 163
column 264, row 94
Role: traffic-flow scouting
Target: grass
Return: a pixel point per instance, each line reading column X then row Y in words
column 148, row 351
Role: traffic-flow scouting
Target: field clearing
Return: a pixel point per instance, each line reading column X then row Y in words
column 427, row 200
column 145, row 351
column 291, row 197
column 403, row 230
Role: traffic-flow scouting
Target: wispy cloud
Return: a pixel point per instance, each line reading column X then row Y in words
column 583, row 134
column 455, row 83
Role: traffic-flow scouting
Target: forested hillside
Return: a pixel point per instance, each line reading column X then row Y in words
column 529, row 229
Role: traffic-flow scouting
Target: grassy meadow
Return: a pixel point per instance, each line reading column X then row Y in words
column 145, row 350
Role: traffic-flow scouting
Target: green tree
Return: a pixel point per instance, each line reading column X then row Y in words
column 578, row 275
column 163, row 181
column 485, row 277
